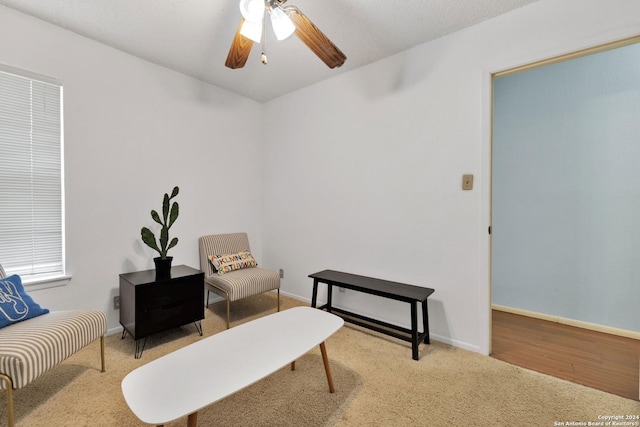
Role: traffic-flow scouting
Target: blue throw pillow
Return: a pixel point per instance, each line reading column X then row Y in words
column 15, row 304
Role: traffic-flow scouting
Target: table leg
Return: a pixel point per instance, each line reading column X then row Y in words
column 192, row 420
column 325, row 359
column 314, row 295
column 329, row 296
column 425, row 322
column 414, row 330
column 140, row 347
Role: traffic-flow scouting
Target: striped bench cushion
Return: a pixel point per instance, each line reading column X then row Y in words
column 32, row 347
column 244, row 283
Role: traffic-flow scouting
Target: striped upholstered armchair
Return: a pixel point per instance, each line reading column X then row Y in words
column 231, row 271
column 29, row 348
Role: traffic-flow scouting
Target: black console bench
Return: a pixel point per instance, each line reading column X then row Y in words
column 411, row 294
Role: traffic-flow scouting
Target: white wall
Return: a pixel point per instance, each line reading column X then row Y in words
column 364, row 170
column 133, row 130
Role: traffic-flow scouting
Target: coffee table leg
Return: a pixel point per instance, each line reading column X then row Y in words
column 325, row 359
column 192, row 420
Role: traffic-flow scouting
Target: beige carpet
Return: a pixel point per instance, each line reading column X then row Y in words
column 377, row 384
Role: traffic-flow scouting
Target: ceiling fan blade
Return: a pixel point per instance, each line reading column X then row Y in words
column 240, row 49
column 315, row 39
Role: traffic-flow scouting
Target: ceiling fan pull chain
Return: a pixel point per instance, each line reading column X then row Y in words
column 263, row 58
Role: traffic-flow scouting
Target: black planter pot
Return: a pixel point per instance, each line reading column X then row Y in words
column 163, row 267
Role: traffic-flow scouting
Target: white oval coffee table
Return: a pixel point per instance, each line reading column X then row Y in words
column 187, row 380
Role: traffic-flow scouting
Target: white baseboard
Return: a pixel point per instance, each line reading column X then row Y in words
column 113, row 331
column 569, row 322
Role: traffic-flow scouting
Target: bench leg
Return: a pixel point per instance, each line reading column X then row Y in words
column 414, row 331
column 102, row 353
column 9, row 384
column 425, row 322
column 314, row 294
column 325, row 359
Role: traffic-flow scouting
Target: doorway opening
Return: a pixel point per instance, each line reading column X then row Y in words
column 564, row 239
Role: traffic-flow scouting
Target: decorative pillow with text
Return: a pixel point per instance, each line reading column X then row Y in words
column 230, row 262
column 15, row 304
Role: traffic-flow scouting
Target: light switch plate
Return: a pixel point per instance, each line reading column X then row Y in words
column 467, row 182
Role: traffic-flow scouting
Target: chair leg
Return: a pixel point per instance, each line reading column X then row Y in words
column 228, row 313
column 278, row 299
column 9, row 384
column 207, row 298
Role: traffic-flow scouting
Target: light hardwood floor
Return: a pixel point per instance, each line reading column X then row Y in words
column 606, row 362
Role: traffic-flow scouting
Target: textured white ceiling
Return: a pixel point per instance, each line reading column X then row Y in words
column 193, row 36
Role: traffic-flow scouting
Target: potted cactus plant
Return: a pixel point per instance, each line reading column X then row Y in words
column 170, row 213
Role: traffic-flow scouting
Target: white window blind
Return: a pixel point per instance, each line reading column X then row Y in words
column 31, row 192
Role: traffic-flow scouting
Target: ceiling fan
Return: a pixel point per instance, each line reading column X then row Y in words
column 285, row 21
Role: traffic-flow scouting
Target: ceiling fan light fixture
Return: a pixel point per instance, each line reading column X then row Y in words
column 252, row 30
column 285, row 20
column 282, row 25
column 252, row 10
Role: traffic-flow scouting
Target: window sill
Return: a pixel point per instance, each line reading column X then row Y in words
column 50, row 282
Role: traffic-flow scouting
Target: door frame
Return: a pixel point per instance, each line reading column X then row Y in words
column 487, row 187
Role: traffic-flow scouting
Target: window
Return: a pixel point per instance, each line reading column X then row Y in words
column 31, row 176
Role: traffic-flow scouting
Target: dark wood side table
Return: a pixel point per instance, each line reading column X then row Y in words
column 411, row 294
column 149, row 305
